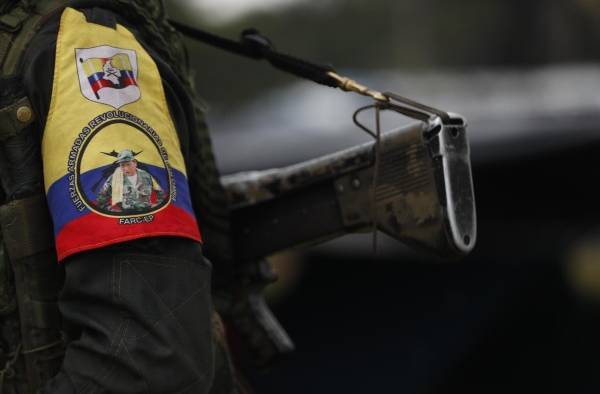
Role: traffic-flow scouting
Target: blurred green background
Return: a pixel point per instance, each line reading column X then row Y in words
column 388, row 34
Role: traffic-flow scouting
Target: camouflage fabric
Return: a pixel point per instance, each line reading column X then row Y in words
column 136, row 197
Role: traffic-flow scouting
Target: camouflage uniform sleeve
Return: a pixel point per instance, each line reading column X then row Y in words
column 208, row 194
column 160, row 193
column 103, row 198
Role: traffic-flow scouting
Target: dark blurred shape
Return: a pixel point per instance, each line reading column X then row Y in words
column 289, row 267
column 582, row 265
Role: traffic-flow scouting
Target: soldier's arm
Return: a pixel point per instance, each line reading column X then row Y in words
column 104, row 195
column 38, row 76
column 160, row 193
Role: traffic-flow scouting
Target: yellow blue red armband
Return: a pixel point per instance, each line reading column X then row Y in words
column 113, row 167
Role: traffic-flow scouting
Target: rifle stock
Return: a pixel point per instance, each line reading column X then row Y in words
column 419, row 191
column 423, row 195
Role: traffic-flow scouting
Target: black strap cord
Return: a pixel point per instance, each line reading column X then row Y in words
column 258, row 47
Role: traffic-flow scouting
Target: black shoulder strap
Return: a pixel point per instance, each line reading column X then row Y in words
column 255, row 46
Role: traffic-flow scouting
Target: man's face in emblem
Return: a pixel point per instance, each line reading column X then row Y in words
column 129, row 168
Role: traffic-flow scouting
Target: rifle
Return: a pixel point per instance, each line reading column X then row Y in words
column 424, row 197
column 414, row 184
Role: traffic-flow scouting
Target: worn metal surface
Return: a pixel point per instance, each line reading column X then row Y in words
column 422, row 195
column 248, row 188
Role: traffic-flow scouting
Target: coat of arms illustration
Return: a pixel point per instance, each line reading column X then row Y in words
column 108, row 75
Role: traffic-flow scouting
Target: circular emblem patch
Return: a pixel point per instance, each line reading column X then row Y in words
column 120, row 168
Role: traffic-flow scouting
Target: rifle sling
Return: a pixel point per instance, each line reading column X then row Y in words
column 255, row 46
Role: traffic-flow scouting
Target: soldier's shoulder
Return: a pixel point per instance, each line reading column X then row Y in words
column 143, row 173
